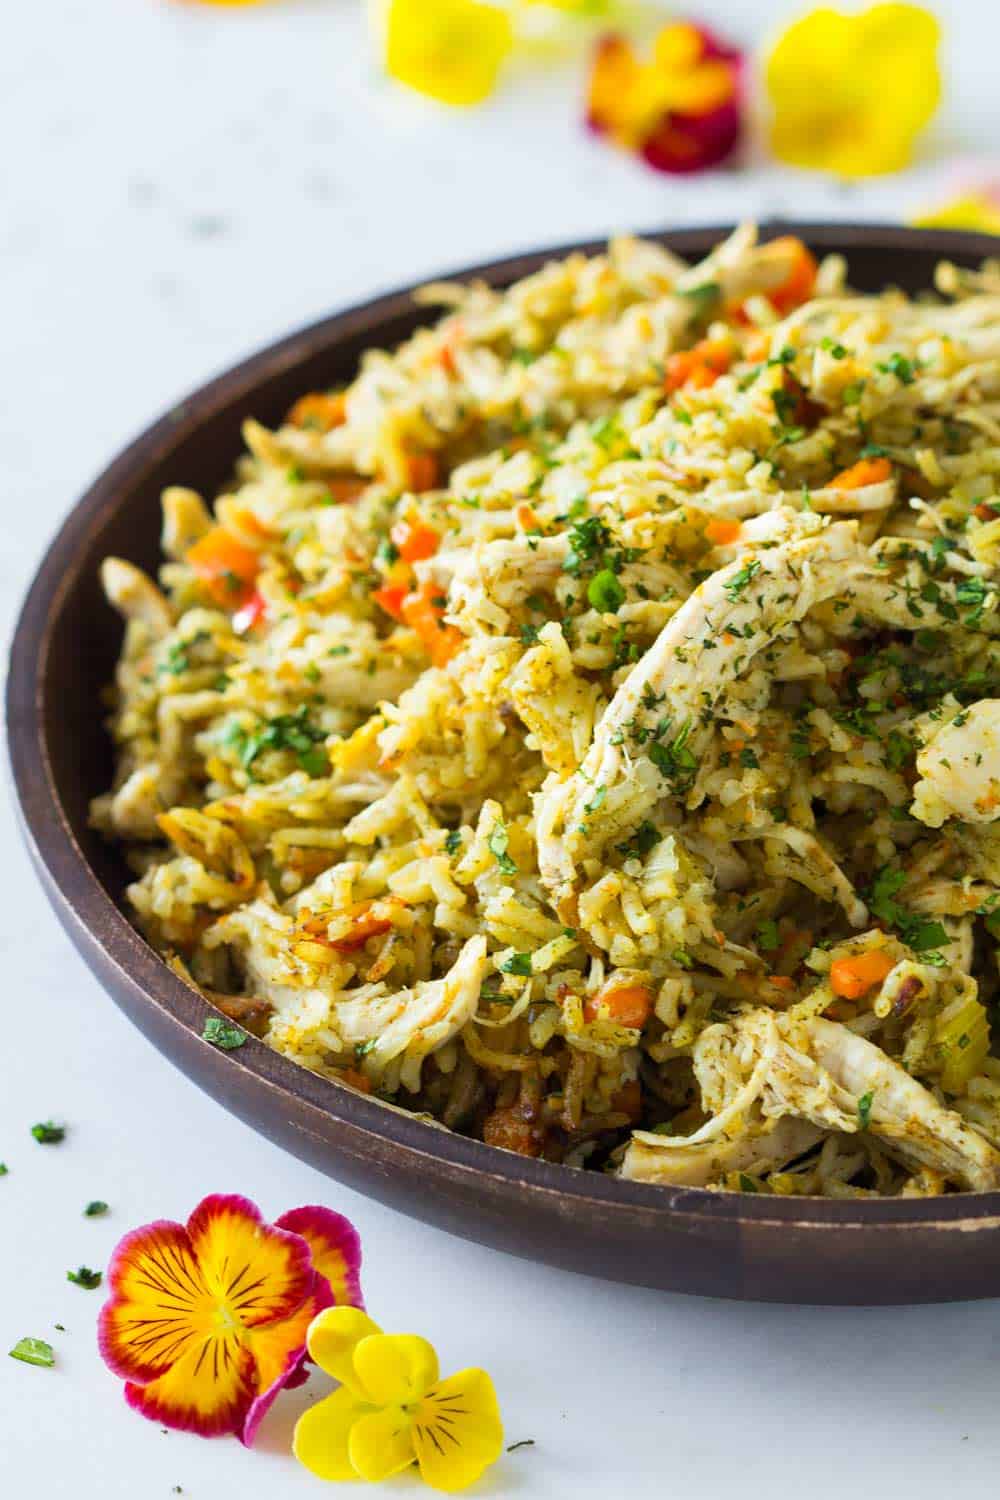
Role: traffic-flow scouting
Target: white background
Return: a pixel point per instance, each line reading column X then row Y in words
column 178, row 185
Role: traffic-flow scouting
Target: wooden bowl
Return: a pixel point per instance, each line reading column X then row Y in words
column 681, row 1239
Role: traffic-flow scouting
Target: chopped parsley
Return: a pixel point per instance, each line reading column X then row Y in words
column 95, row 1209
column 518, row 963
column 285, row 732
column 674, row 761
column 747, row 1184
column 85, row 1277
column 223, row 1034
column 339, row 651
column 362, row 1049
column 918, row 932
column 748, row 760
column 605, row 593
column 767, row 936
column 865, row 1109
column 47, row 1134
column 4, row 1169
column 497, row 844
column 453, row 842
column 34, row 1352
column 740, row 581
column 900, row 366
column 645, row 838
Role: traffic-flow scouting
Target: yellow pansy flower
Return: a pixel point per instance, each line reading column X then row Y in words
column 850, row 93
column 451, row 50
column 969, row 211
column 392, row 1410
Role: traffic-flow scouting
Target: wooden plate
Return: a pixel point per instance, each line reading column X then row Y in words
column 683, row 1239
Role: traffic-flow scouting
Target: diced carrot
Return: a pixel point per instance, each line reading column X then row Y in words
column 699, row 367
column 781, row 981
column 414, row 540
column 526, row 518
column 355, row 1079
column 801, row 280
column 346, row 487
column 364, row 926
column 319, row 410
column 855, row 976
column 628, row 1004
column 423, row 611
column 446, row 359
column 510, row 1129
column 249, row 522
column 985, row 511
column 423, row 472
column 225, row 567
column 720, row 531
column 390, row 598
column 865, row 471
column 249, row 614
column 366, row 923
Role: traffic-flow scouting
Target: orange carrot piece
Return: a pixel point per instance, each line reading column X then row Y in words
column 721, row 530
column 526, row 518
column 423, row 472
column 628, row 1004
column 865, row 471
column 423, row 612
column 225, row 567
column 855, row 976
column 801, row 281
column 390, row 598
column 415, row 540
column 699, row 367
column 319, row 410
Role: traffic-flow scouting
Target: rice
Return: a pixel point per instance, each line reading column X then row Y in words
column 581, row 729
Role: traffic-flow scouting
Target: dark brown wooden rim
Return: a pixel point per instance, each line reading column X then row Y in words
column 101, row 930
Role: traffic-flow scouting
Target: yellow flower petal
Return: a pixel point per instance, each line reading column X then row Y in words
column 395, row 1368
column 381, row 1443
column 849, row 93
column 971, row 211
column 333, row 1338
column 457, row 1431
column 451, row 50
column 322, row 1435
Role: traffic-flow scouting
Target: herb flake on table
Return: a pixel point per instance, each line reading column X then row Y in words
column 33, row 1352
column 223, row 1034
column 85, row 1277
column 95, row 1209
column 48, row 1134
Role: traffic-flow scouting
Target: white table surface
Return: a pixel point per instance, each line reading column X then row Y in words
column 178, row 185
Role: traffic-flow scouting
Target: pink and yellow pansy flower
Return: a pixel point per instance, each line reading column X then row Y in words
column 206, row 1321
column 392, row 1410
column 681, row 109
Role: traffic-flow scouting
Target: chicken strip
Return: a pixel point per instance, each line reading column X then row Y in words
column 662, row 715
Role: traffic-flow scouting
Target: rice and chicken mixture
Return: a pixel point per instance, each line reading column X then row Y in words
column 580, row 730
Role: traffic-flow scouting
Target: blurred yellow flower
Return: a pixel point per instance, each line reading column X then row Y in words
column 970, row 211
column 850, row 93
column 451, row 50
column 391, row 1410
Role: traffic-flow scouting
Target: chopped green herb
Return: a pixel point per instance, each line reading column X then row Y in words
column 339, row 651
column 747, row 1184
column 865, row 1109
column 223, row 1034
column 741, row 580
column 597, row 801
column 453, row 842
column 362, row 1049
column 901, row 367
column 85, row 1277
column 95, row 1209
column 831, row 347
column 645, row 838
column 767, row 936
column 748, row 759
column 920, row 933
column 34, row 1352
column 497, row 844
column 518, row 963
column 311, row 672
column 605, row 592
column 4, row 1169
column 47, row 1134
